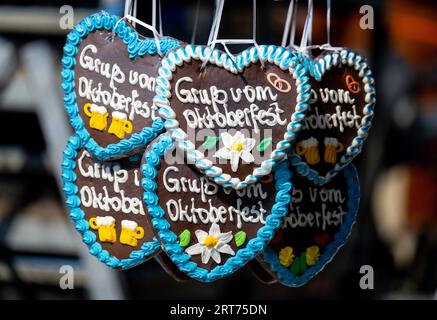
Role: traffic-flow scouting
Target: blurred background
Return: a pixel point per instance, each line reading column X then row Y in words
column 396, row 231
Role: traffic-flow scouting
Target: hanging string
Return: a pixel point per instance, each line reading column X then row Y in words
column 291, row 41
column 130, row 14
column 217, row 21
column 129, row 6
column 328, row 22
column 327, row 45
column 196, row 21
column 254, row 20
column 154, row 14
column 290, row 26
column 307, row 30
column 214, row 22
column 130, row 9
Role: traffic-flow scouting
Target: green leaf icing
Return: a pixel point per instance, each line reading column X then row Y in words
column 240, row 238
column 184, row 238
column 210, row 142
column 263, row 145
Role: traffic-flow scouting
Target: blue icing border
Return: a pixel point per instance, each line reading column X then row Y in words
column 281, row 57
column 317, row 69
column 71, row 191
column 169, row 239
column 136, row 48
column 284, row 275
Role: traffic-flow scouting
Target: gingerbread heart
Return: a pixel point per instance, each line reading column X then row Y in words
column 319, row 223
column 339, row 118
column 105, row 202
column 209, row 231
column 109, row 80
column 234, row 120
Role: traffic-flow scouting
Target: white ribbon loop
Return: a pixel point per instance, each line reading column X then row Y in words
column 305, row 44
column 149, row 27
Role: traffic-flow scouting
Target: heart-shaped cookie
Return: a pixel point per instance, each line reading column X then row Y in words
column 318, row 224
column 209, row 231
column 234, row 120
column 109, row 81
column 105, row 202
column 339, row 118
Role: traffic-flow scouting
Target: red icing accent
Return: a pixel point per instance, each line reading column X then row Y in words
column 321, row 239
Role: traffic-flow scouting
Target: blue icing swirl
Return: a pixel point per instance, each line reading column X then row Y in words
column 68, row 62
column 103, row 256
column 70, row 50
column 73, row 38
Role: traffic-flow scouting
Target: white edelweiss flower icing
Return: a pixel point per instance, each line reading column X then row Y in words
column 98, row 109
column 129, row 224
column 236, row 147
column 310, row 142
column 105, row 221
column 331, row 141
column 119, row 115
column 211, row 244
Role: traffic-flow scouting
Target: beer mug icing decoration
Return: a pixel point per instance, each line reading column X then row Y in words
column 209, row 231
column 106, row 228
column 109, row 79
column 105, row 202
column 234, row 117
column 341, row 110
column 319, row 222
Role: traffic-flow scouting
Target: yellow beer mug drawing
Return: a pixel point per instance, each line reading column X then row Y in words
column 309, row 149
column 98, row 116
column 106, row 228
column 332, row 147
column 130, row 233
column 120, row 125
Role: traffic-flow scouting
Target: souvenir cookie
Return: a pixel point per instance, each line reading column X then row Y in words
column 209, row 231
column 234, row 120
column 339, row 118
column 319, row 222
column 109, row 79
column 105, row 202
